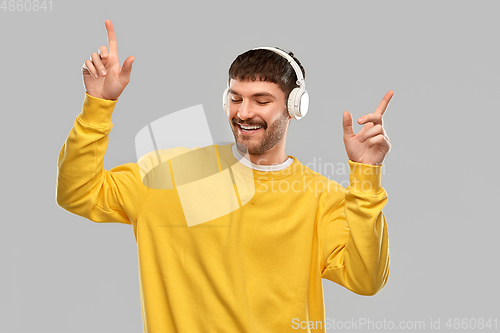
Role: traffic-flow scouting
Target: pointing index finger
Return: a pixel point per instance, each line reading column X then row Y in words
column 385, row 102
column 111, row 36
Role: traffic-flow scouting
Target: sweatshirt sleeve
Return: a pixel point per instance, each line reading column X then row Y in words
column 354, row 241
column 83, row 186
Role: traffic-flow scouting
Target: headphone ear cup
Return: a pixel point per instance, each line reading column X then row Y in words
column 225, row 101
column 290, row 103
column 298, row 103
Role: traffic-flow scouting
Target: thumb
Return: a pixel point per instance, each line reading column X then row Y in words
column 347, row 125
column 127, row 68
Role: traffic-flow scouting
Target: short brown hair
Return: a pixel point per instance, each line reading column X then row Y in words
column 266, row 65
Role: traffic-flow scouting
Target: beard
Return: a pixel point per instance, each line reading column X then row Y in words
column 270, row 138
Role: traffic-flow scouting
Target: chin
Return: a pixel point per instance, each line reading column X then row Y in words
column 256, row 145
column 245, row 147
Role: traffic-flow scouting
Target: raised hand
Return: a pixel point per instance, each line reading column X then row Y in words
column 102, row 75
column 371, row 144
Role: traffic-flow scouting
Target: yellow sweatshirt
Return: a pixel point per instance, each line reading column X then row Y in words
column 247, row 255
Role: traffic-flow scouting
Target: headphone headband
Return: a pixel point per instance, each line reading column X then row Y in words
column 300, row 78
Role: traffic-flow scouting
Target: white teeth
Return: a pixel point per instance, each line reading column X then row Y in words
column 250, row 127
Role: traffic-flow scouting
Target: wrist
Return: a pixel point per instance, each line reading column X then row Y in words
column 99, row 96
column 365, row 178
column 97, row 111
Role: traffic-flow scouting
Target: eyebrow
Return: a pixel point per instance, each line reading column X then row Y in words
column 258, row 94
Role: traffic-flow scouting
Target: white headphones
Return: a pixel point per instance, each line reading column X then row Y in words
column 298, row 100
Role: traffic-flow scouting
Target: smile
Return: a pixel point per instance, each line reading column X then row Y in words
column 249, row 129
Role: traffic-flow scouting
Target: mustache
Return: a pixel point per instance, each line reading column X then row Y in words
column 238, row 121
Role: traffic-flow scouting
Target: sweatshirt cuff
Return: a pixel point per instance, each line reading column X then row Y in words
column 365, row 178
column 97, row 111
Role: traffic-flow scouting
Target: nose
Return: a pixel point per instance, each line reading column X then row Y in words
column 245, row 110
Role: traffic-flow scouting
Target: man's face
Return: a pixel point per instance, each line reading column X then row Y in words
column 257, row 114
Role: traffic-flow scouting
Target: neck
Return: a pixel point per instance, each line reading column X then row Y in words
column 273, row 156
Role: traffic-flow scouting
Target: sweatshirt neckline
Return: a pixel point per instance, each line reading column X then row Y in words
column 274, row 167
column 239, row 166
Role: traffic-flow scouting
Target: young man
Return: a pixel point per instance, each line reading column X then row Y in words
column 246, row 260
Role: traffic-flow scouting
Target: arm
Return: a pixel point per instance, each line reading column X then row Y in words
column 83, row 186
column 354, row 242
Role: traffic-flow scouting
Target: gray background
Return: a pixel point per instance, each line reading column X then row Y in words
column 62, row 273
